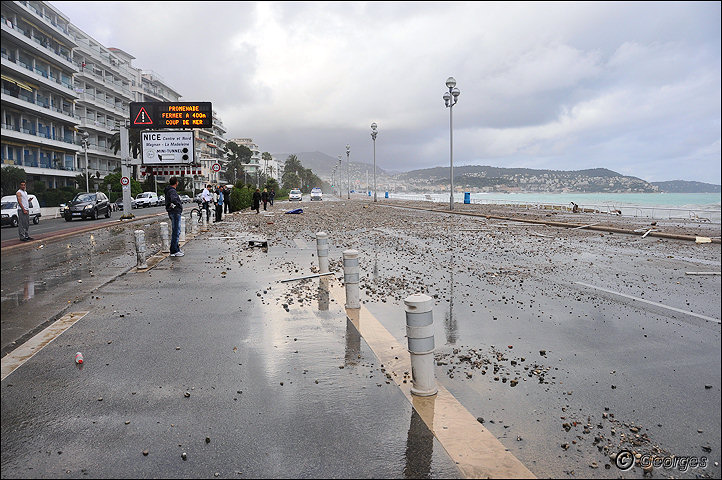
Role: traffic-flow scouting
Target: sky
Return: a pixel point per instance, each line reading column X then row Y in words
column 632, row 87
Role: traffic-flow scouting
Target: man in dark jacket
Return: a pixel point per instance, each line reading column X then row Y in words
column 174, row 207
column 257, row 201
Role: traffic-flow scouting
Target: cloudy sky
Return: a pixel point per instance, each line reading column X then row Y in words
column 633, row 87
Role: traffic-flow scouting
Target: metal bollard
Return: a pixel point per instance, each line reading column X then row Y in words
column 322, row 250
column 194, row 223
column 205, row 220
column 351, row 278
column 420, row 332
column 140, row 248
column 164, row 239
column 182, row 236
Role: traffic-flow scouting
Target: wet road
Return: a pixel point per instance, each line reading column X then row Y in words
column 49, row 225
column 562, row 373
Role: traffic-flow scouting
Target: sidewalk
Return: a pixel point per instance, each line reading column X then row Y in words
column 198, row 356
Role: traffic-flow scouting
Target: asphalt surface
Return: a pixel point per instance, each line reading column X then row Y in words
column 563, row 373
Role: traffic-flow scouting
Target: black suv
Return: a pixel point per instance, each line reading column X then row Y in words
column 88, row 205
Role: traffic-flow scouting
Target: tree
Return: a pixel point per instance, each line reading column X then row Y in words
column 133, row 140
column 11, row 178
column 291, row 178
column 113, row 179
column 237, row 155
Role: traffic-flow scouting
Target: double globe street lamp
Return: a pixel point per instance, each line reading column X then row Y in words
column 450, row 99
column 348, row 170
column 373, row 136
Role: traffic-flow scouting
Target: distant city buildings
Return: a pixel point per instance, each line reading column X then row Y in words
column 58, row 84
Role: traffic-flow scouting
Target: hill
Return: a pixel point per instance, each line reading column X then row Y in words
column 683, row 186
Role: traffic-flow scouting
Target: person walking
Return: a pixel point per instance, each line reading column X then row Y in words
column 257, row 201
column 219, row 204
column 226, row 200
column 23, row 212
column 207, row 198
column 272, row 195
column 264, row 198
column 174, row 207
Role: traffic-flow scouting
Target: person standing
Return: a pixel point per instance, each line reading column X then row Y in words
column 219, row 204
column 174, row 207
column 226, row 199
column 207, row 198
column 257, row 201
column 272, row 195
column 23, row 213
column 264, row 198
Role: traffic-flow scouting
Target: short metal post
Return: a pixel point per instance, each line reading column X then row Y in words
column 194, row 223
column 205, row 220
column 351, row 278
column 182, row 236
column 140, row 248
column 164, row 238
column 420, row 332
column 322, row 250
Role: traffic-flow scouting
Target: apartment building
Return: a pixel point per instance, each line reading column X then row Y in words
column 103, row 84
column 252, row 170
column 64, row 95
column 209, row 150
column 38, row 96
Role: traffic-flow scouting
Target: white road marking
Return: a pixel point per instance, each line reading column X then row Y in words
column 25, row 352
column 704, row 317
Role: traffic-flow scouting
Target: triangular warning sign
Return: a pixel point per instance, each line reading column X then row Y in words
column 143, row 118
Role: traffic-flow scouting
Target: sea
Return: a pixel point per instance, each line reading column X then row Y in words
column 703, row 206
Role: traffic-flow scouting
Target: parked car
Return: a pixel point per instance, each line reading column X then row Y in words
column 119, row 204
column 198, row 199
column 185, row 199
column 295, row 194
column 316, row 194
column 147, row 199
column 88, row 205
column 10, row 210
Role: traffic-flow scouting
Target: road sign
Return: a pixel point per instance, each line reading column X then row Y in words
column 171, row 115
column 216, row 167
column 124, row 181
column 167, row 147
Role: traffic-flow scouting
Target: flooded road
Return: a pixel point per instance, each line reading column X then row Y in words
column 540, row 334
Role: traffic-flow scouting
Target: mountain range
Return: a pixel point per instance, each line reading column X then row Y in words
column 487, row 178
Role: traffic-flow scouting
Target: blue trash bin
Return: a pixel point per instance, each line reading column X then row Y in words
column 387, row 195
column 467, row 197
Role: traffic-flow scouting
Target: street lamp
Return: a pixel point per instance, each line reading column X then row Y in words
column 85, row 149
column 373, row 136
column 339, row 175
column 453, row 92
column 348, row 170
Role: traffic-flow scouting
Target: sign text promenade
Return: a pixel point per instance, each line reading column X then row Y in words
column 155, row 115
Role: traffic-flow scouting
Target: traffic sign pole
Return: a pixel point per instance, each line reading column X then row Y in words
column 125, row 172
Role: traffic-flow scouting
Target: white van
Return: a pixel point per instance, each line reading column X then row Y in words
column 10, row 210
column 147, row 199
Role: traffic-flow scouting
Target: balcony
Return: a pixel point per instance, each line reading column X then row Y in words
column 49, row 22
column 32, row 136
column 27, row 72
column 87, row 73
column 102, row 103
column 40, row 108
column 34, row 44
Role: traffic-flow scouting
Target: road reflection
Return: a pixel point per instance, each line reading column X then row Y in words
column 420, row 439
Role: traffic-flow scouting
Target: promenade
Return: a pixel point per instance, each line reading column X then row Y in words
column 564, row 345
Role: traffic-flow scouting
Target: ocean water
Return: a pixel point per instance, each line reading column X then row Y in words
column 655, row 205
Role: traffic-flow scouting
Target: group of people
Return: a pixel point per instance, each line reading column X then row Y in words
column 266, row 197
column 219, row 197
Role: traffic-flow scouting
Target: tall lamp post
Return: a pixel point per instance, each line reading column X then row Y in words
column 373, row 136
column 348, row 170
column 339, row 175
column 450, row 99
